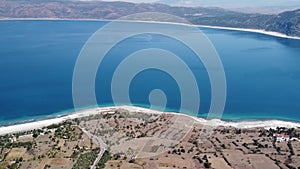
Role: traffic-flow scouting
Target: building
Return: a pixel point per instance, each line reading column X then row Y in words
column 282, row 137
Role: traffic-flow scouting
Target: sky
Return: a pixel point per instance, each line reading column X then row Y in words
column 223, row 3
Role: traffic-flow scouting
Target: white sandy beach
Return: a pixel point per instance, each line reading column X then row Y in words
column 84, row 113
column 43, row 123
column 276, row 34
column 252, row 30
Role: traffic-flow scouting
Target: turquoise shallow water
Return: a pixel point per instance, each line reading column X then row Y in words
column 38, row 58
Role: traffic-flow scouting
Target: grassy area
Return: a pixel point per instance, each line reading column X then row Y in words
column 86, row 160
column 106, row 157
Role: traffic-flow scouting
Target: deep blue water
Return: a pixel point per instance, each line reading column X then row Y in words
column 38, row 58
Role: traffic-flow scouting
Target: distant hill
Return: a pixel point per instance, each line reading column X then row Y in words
column 244, row 6
column 286, row 22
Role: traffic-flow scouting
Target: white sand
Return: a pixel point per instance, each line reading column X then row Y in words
column 43, row 123
column 216, row 122
column 253, row 30
column 277, row 34
column 84, row 113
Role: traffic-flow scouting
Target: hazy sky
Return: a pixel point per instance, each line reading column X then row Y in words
column 224, row 3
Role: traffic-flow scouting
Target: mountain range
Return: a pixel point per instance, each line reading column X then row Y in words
column 286, row 22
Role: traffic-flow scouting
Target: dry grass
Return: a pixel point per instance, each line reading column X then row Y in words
column 219, row 163
column 261, row 161
column 173, row 161
column 16, row 153
column 58, row 161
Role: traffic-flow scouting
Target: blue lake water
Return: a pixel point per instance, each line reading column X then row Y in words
column 38, row 58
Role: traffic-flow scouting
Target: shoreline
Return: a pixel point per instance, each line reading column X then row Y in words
column 276, row 34
column 27, row 126
column 260, row 31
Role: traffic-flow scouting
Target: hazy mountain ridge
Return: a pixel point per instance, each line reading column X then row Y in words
column 286, row 22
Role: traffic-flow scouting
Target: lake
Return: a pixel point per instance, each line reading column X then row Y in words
column 38, row 58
